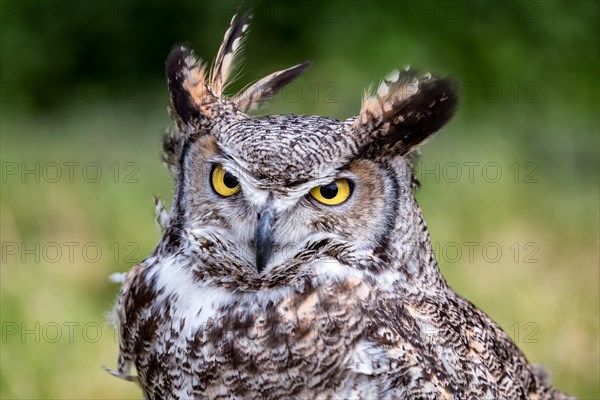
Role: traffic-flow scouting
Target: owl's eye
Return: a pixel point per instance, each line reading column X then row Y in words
column 223, row 182
column 332, row 194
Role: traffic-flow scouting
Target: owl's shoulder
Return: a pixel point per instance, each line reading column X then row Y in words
column 443, row 346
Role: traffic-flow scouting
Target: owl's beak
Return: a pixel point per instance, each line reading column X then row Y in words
column 263, row 239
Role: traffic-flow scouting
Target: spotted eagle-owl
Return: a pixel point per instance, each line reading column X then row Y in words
column 295, row 261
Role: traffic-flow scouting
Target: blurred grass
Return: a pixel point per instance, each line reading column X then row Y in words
column 544, row 61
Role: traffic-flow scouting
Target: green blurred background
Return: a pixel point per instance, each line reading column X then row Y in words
column 510, row 188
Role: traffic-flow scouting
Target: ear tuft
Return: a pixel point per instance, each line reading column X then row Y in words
column 186, row 79
column 197, row 98
column 229, row 55
column 262, row 90
column 406, row 109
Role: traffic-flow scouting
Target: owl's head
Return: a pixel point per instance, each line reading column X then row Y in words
column 275, row 185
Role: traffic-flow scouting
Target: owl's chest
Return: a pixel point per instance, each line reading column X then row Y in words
column 268, row 342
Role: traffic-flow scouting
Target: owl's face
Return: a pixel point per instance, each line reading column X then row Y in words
column 271, row 190
column 269, row 186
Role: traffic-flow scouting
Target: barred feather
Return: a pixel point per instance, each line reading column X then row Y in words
column 406, row 109
column 162, row 216
column 186, row 77
column 394, row 88
column 228, row 57
column 251, row 97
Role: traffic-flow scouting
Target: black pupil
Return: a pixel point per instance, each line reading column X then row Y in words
column 229, row 180
column 329, row 191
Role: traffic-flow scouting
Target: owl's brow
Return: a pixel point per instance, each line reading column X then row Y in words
column 298, row 183
column 230, row 165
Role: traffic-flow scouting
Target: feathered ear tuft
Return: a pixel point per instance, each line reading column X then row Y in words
column 191, row 97
column 229, row 55
column 262, row 90
column 406, row 109
column 197, row 99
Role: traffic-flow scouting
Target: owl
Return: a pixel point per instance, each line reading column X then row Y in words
column 295, row 262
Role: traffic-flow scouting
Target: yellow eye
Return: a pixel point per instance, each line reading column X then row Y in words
column 224, row 183
column 332, row 194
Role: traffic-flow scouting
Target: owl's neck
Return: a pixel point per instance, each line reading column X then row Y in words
column 411, row 254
